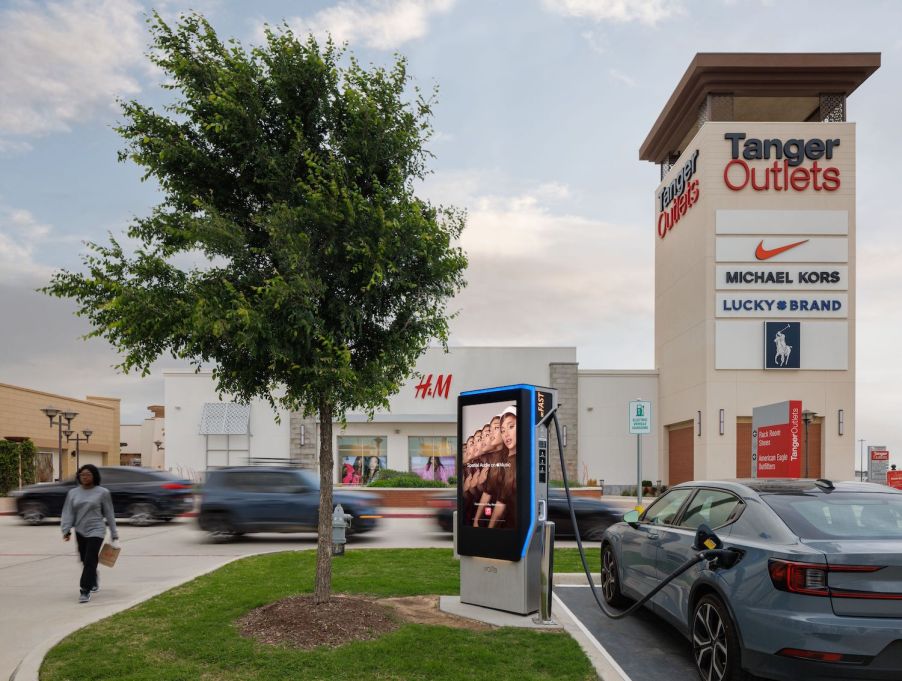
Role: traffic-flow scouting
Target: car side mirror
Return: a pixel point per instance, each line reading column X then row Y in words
column 705, row 538
column 631, row 518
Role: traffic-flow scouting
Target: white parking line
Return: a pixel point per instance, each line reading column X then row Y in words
column 616, row 667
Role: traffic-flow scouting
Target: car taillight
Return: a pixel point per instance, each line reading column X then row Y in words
column 175, row 485
column 808, row 578
column 821, row 656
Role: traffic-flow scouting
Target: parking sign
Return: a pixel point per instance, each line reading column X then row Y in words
column 640, row 417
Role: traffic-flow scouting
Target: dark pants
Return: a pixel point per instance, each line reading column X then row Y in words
column 88, row 551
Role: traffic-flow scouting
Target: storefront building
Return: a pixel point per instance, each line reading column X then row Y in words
column 22, row 417
column 755, row 229
column 755, row 258
column 418, row 433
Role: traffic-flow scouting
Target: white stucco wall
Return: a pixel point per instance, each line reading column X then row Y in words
column 185, row 394
column 606, row 449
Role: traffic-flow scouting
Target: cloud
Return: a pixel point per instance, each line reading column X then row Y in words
column 383, row 24
column 622, row 77
column 540, row 275
column 20, row 236
column 62, row 62
column 11, row 148
column 648, row 12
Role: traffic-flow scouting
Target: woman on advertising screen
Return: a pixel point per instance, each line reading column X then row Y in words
column 495, row 456
column 505, row 511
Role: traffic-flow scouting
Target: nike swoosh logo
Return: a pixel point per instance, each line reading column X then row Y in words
column 763, row 253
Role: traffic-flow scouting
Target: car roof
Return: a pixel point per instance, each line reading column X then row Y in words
column 790, row 486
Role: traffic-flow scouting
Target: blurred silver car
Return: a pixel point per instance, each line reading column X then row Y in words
column 816, row 593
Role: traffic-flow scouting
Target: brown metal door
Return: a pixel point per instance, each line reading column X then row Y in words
column 680, row 438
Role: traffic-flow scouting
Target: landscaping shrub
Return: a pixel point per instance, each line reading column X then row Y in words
column 9, row 464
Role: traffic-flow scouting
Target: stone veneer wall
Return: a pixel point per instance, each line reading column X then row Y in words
column 564, row 377
column 305, row 455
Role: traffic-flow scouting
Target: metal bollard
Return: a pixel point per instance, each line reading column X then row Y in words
column 341, row 521
column 546, row 574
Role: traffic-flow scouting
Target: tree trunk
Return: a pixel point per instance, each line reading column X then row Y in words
column 323, row 586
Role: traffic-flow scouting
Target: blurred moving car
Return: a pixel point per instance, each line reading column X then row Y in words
column 144, row 495
column 593, row 516
column 816, row 593
column 236, row 501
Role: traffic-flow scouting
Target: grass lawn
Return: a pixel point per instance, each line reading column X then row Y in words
column 188, row 633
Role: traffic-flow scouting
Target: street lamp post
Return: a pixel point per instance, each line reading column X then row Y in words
column 861, row 472
column 56, row 417
column 78, row 440
column 807, row 417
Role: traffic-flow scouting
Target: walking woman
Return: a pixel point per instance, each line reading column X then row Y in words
column 86, row 507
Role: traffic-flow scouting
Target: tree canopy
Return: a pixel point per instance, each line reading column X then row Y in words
column 289, row 169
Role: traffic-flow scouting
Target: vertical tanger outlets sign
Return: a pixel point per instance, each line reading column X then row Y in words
column 776, row 440
column 782, row 345
column 878, row 464
column 640, row 417
column 678, row 196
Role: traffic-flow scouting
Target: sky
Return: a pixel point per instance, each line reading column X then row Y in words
column 542, row 107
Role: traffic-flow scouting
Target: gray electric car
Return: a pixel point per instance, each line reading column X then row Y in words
column 815, row 594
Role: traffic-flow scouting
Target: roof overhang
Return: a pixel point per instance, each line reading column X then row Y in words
column 752, row 75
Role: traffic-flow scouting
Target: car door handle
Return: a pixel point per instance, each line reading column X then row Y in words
column 652, row 535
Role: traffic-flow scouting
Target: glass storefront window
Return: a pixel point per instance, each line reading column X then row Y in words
column 361, row 458
column 433, row 458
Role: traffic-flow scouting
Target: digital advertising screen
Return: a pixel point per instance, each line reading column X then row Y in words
column 496, row 484
column 490, row 465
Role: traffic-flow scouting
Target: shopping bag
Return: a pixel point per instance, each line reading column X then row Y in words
column 108, row 554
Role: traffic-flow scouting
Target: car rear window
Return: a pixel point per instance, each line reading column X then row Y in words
column 839, row 515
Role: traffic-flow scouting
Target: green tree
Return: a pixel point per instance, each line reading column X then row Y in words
column 291, row 169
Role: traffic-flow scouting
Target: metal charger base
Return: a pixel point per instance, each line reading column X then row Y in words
column 520, row 587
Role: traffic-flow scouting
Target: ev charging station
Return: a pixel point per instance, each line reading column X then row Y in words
column 502, row 532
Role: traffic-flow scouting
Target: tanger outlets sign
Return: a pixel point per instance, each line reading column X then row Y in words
column 677, row 197
column 787, row 171
column 776, row 440
column 878, row 464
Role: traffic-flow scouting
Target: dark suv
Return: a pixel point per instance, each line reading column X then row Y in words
column 141, row 494
column 235, row 501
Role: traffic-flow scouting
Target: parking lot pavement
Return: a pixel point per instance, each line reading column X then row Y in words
column 643, row 646
column 39, row 572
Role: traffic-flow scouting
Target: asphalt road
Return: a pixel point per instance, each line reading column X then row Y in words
column 39, row 572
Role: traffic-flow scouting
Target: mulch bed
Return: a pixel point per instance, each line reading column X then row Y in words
column 298, row 623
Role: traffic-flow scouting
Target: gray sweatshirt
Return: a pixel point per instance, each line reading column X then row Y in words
column 85, row 510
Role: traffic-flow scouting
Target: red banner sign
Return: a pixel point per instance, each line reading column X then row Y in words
column 894, row 479
column 780, row 446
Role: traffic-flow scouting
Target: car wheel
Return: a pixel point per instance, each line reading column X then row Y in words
column 715, row 645
column 33, row 512
column 610, row 582
column 141, row 514
column 220, row 528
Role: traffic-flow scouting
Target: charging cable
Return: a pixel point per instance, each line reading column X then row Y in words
column 715, row 556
